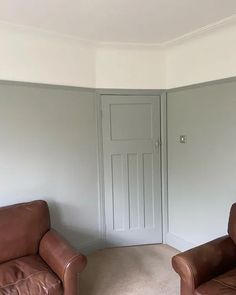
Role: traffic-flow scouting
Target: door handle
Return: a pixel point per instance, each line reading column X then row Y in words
column 157, row 145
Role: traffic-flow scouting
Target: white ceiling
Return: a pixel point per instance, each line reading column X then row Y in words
column 139, row 21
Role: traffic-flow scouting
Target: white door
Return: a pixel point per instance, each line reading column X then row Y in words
column 131, row 142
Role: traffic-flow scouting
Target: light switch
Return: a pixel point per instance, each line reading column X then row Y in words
column 182, row 138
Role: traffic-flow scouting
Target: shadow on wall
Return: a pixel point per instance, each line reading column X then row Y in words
column 61, row 220
column 65, row 219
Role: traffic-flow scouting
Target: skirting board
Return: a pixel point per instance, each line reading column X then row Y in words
column 178, row 243
column 171, row 240
column 91, row 247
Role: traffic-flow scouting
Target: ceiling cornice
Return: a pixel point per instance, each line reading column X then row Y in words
column 231, row 20
column 129, row 46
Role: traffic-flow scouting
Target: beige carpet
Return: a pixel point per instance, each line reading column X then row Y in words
column 141, row 270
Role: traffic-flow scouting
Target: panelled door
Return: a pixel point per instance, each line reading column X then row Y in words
column 131, row 147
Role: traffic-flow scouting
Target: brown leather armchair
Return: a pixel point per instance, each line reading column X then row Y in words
column 35, row 259
column 210, row 269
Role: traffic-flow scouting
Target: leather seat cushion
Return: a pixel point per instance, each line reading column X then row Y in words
column 224, row 284
column 28, row 275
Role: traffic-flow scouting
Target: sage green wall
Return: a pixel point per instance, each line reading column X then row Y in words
column 202, row 172
column 48, row 150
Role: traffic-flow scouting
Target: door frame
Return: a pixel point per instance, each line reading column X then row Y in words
column 163, row 157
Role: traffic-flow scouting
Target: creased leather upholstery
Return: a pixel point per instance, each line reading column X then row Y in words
column 25, row 234
column 224, row 284
column 28, row 275
column 209, row 269
column 63, row 259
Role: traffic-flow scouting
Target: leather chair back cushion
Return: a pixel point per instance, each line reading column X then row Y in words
column 232, row 223
column 21, row 229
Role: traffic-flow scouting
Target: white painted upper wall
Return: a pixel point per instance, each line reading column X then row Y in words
column 130, row 67
column 206, row 57
column 31, row 55
column 35, row 56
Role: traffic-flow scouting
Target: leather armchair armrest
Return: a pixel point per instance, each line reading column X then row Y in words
column 63, row 260
column 204, row 262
